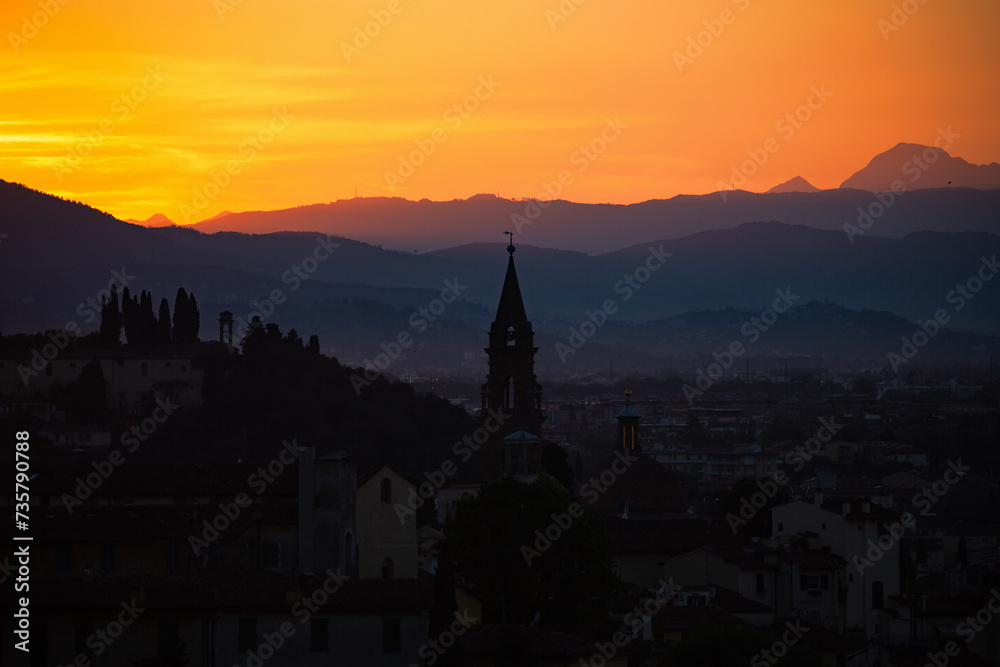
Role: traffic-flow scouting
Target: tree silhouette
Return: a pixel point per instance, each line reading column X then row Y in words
column 194, row 320
column 555, row 462
column 111, row 320
column 187, row 319
column 507, row 544
column 163, row 325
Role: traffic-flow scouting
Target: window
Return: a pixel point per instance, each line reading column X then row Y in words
column 386, row 490
column 349, row 553
column 248, row 634
column 822, row 526
column 390, row 635
column 319, row 635
column 814, row 582
column 387, row 568
column 760, row 583
column 269, row 555
column 108, row 558
column 781, row 527
column 144, row 369
column 877, row 594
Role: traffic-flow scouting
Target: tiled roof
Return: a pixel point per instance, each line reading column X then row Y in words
column 132, row 478
column 227, row 589
column 695, row 617
column 656, row 535
column 520, row 641
column 96, row 523
column 645, row 485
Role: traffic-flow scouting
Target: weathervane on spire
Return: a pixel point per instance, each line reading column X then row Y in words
column 510, row 248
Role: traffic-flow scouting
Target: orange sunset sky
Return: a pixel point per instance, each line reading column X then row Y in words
column 83, row 116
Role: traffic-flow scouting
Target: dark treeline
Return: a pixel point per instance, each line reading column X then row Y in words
column 143, row 328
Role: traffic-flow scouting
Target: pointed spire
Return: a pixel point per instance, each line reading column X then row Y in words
column 511, row 307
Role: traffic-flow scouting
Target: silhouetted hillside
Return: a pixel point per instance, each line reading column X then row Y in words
column 595, row 228
column 797, row 184
column 922, row 167
column 356, row 296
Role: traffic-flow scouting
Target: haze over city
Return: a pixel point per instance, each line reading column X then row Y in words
column 386, row 333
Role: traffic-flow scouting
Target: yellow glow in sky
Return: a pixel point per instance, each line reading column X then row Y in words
column 192, row 107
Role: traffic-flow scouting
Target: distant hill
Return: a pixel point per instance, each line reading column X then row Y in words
column 797, row 184
column 58, row 253
column 596, row 228
column 923, row 167
column 155, row 220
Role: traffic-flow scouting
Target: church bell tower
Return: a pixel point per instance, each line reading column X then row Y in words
column 511, row 389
